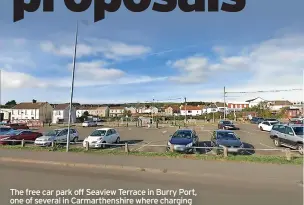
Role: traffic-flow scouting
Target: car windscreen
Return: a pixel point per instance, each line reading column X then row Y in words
column 182, row 134
column 298, row 130
column 273, row 123
column 226, row 136
column 227, row 123
column 14, row 132
column 98, row 133
column 5, row 129
column 52, row 133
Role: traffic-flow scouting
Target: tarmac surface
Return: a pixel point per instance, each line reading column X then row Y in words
column 214, row 182
column 147, row 139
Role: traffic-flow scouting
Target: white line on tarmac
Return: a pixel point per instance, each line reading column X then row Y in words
column 267, row 146
column 142, row 146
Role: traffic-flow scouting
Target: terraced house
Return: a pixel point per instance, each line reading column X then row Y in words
column 34, row 110
column 117, row 111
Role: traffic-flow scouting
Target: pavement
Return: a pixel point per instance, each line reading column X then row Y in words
column 148, row 139
column 213, row 182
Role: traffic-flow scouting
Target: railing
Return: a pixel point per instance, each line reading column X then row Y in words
column 223, row 150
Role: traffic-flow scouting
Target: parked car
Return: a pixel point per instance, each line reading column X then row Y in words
column 296, row 121
column 89, row 124
column 226, row 138
column 183, row 140
column 4, row 130
column 256, row 120
column 18, row 126
column 267, row 125
column 19, row 135
column 57, row 135
column 288, row 135
column 101, row 137
column 227, row 125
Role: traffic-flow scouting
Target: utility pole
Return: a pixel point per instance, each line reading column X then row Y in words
column 185, row 110
column 224, row 103
column 72, row 89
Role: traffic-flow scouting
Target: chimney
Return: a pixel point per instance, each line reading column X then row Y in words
column 34, row 101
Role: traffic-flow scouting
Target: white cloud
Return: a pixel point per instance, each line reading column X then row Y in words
column 92, row 47
column 276, row 62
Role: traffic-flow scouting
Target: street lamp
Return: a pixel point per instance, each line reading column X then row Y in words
column 72, row 88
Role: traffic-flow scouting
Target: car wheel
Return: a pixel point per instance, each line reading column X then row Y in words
column 277, row 142
column 104, row 145
column 261, row 128
column 75, row 139
column 300, row 148
column 117, row 140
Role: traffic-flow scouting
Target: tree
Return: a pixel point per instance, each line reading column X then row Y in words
column 11, row 103
column 127, row 113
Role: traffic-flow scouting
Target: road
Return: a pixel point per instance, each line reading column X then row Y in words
column 208, row 190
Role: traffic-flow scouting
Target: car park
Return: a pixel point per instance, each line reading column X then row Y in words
column 267, row 125
column 89, row 124
column 288, row 135
column 227, row 125
column 11, row 136
column 58, row 136
column 99, row 138
column 226, row 138
column 183, row 140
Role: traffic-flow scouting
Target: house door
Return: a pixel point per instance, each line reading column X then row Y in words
column 1, row 117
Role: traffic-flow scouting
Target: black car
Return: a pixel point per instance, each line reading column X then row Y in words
column 256, row 120
column 226, row 138
column 226, row 125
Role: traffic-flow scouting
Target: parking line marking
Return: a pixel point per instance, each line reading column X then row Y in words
column 267, row 146
column 142, row 146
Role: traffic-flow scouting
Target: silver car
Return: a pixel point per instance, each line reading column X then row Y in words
column 288, row 135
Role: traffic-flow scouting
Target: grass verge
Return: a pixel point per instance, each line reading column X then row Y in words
column 238, row 158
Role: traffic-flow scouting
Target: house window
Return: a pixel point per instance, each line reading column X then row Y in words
column 25, row 112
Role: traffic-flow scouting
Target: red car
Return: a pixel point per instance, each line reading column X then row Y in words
column 18, row 126
column 26, row 135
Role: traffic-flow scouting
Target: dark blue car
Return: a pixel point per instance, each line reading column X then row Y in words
column 256, row 120
column 183, row 140
column 226, row 138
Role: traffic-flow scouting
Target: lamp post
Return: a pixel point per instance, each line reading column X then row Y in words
column 72, row 88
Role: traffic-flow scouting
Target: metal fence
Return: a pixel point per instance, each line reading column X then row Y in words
column 86, row 146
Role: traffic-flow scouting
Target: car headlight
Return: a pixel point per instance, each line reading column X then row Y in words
column 221, row 146
column 189, row 145
column 4, row 138
column 169, row 144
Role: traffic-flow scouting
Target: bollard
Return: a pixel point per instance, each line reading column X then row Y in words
column 87, row 146
column 126, row 148
column 156, row 124
column 225, row 152
column 172, row 148
column 127, row 125
column 288, row 154
column 53, row 144
column 22, row 143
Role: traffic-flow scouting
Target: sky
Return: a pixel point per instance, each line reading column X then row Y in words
column 138, row 57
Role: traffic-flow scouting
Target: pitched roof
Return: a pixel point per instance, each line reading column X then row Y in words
column 117, row 108
column 281, row 102
column 29, row 105
column 254, row 99
column 191, row 107
column 220, row 104
column 61, row 106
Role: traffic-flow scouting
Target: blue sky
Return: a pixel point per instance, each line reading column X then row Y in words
column 131, row 57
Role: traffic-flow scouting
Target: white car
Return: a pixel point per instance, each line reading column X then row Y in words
column 267, row 125
column 89, row 124
column 100, row 137
column 57, row 135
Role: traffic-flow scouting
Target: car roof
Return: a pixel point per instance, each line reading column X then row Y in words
column 105, row 128
column 228, row 131
column 185, row 130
